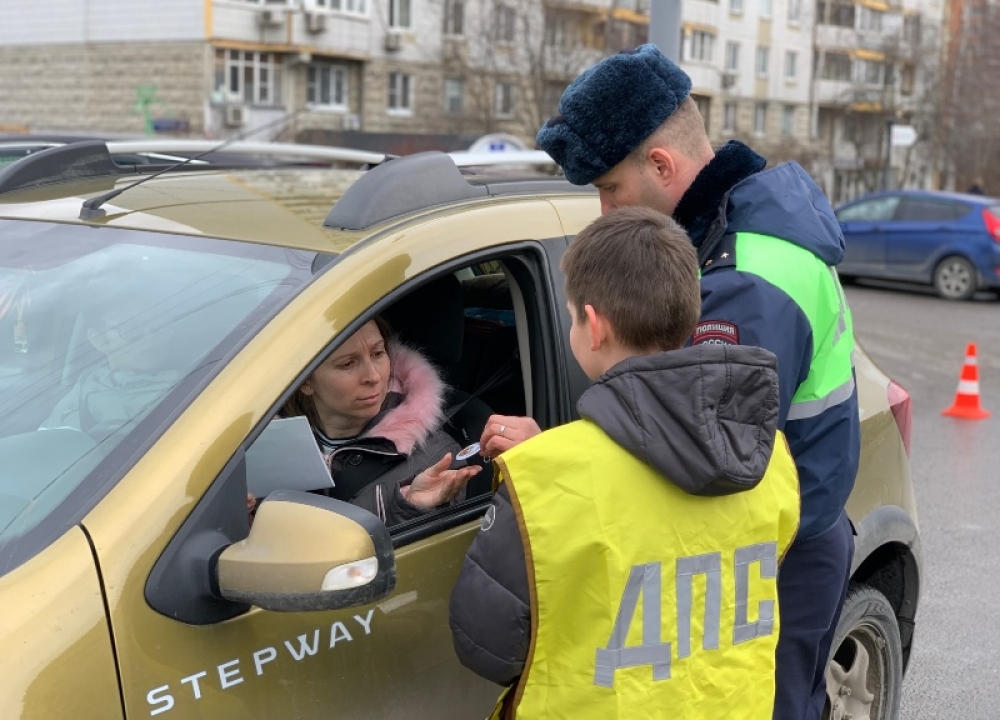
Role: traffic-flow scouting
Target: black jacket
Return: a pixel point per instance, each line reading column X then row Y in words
column 705, row 417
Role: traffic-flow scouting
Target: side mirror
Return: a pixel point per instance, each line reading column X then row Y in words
column 308, row 552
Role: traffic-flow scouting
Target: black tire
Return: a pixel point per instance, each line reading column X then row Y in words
column 955, row 278
column 864, row 677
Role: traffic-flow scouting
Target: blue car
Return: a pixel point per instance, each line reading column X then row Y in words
column 949, row 240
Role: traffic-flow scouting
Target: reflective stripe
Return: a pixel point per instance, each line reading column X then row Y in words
column 709, row 565
column 842, row 317
column 968, row 387
column 971, row 360
column 767, row 555
column 644, row 578
column 812, row 408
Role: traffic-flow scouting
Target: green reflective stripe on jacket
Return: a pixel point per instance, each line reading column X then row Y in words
column 815, row 288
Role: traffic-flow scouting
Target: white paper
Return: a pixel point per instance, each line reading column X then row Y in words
column 285, row 456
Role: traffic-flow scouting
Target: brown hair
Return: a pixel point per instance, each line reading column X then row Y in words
column 683, row 131
column 638, row 268
column 301, row 404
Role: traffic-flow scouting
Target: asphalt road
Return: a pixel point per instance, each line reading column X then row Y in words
column 920, row 341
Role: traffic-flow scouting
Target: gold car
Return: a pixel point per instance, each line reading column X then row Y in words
column 130, row 582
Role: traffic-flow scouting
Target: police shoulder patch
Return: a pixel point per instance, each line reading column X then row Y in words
column 715, row 332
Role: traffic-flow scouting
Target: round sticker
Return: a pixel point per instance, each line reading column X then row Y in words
column 467, row 452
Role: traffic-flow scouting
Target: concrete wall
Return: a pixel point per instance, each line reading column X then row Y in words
column 94, row 87
column 52, row 22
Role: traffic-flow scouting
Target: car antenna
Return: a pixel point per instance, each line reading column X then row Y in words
column 92, row 208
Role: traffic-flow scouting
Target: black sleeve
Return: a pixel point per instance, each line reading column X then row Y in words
column 489, row 615
column 385, row 500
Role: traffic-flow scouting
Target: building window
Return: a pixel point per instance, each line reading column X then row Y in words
column 327, row 86
column 250, row 77
column 729, row 118
column 504, row 100
column 732, row 56
column 454, row 17
column 911, row 29
column 351, row 7
column 700, row 45
column 765, row 8
column 506, row 23
column 794, row 11
column 870, row 20
column 399, row 14
column 763, row 60
column 704, row 105
column 788, row 120
column 906, row 79
column 454, row 94
column 556, row 29
column 835, row 12
column 869, row 72
column 759, row 118
column 736, row 6
column 400, row 93
column 791, row 64
column 837, row 66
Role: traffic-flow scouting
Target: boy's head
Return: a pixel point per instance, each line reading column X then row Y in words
column 632, row 288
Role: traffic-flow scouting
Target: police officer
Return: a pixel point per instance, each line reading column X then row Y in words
column 767, row 242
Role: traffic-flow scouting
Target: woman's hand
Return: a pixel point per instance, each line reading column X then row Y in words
column 437, row 484
column 502, row 432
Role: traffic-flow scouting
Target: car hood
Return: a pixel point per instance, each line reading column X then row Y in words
column 705, row 416
column 784, row 201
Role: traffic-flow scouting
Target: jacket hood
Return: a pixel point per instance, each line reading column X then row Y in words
column 414, row 407
column 705, row 417
column 784, row 201
column 734, row 193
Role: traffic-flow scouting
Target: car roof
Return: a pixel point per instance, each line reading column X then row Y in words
column 939, row 194
column 285, row 206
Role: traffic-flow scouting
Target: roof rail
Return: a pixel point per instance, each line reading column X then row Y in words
column 416, row 182
column 243, row 147
column 74, row 161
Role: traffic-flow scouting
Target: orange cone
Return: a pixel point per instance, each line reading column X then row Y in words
column 966, row 403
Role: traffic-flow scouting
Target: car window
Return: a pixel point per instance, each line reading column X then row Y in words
column 97, row 329
column 873, row 210
column 925, row 209
column 469, row 323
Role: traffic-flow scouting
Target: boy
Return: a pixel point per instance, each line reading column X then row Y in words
column 627, row 566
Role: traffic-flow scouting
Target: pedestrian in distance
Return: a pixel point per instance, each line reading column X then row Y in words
column 767, row 242
column 675, row 490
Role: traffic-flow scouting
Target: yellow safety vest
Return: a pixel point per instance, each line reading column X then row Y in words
column 646, row 602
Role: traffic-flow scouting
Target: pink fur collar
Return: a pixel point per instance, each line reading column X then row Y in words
column 422, row 411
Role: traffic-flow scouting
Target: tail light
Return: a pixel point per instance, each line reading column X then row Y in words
column 992, row 218
column 899, row 403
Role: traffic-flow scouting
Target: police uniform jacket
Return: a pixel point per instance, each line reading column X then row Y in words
column 767, row 242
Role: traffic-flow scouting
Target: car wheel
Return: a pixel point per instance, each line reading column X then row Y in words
column 955, row 278
column 865, row 673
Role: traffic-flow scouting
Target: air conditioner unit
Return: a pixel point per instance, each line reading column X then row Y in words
column 729, row 79
column 269, row 18
column 393, row 40
column 315, row 22
column 236, row 115
column 350, row 121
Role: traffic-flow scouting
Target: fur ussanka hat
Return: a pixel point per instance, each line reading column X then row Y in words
column 610, row 109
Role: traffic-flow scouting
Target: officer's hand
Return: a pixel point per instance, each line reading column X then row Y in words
column 437, row 484
column 502, row 432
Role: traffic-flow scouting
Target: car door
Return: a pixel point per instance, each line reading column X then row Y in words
column 924, row 231
column 865, row 224
column 185, row 653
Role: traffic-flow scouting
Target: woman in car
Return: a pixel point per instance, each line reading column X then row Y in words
column 376, row 408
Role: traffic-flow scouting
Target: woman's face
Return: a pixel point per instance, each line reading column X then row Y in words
column 350, row 386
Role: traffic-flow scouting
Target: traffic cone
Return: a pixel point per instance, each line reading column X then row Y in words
column 966, row 405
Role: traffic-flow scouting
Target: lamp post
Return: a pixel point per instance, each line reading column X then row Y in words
column 889, row 122
column 665, row 27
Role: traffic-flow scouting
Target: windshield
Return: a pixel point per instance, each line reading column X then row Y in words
column 99, row 328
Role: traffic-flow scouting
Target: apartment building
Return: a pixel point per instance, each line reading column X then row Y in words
column 814, row 80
